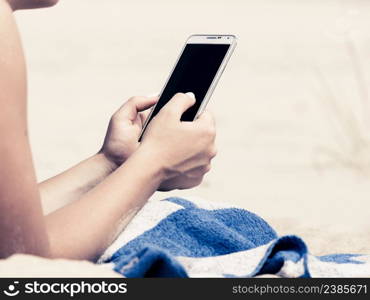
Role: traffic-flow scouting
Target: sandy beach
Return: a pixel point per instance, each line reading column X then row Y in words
column 292, row 107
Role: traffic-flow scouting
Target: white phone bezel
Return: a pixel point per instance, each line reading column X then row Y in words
column 202, row 39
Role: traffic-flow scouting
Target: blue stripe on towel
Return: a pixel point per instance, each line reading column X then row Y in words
column 183, row 238
column 341, row 258
column 196, row 232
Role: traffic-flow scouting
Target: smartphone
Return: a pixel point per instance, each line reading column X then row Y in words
column 197, row 70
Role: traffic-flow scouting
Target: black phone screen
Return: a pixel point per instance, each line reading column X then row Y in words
column 194, row 72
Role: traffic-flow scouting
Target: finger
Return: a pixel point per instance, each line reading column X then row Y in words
column 151, row 95
column 206, row 118
column 198, row 171
column 190, row 183
column 144, row 115
column 179, row 104
column 143, row 103
column 130, row 108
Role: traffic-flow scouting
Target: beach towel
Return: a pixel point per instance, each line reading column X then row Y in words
column 179, row 237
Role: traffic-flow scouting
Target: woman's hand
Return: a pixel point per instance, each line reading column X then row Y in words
column 124, row 129
column 123, row 132
column 183, row 149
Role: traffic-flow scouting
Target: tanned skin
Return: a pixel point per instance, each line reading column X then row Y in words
column 102, row 193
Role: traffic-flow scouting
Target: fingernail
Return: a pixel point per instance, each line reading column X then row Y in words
column 191, row 95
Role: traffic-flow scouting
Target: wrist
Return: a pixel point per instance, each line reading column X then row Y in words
column 152, row 165
column 107, row 164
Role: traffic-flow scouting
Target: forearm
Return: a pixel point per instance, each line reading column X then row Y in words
column 75, row 182
column 85, row 228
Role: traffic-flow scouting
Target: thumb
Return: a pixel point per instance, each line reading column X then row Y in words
column 179, row 104
column 130, row 109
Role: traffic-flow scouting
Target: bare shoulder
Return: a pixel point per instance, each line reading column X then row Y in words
column 13, row 85
column 12, row 66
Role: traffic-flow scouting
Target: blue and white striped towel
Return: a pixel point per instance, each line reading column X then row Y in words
column 182, row 238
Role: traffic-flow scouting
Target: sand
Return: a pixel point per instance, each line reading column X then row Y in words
column 291, row 107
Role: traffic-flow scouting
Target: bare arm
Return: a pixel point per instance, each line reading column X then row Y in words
column 22, row 227
column 84, row 228
column 70, row 185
